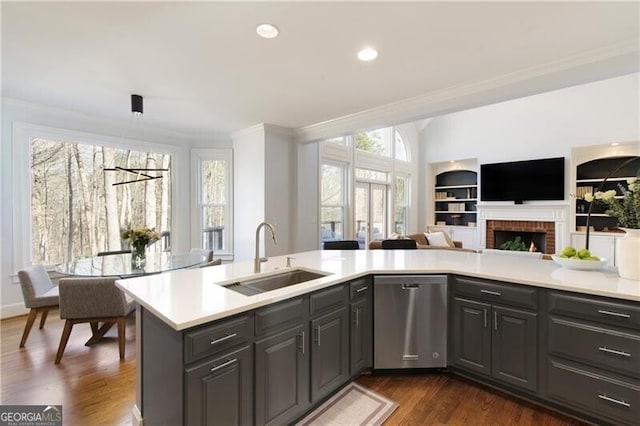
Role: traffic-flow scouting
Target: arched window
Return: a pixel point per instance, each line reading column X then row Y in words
column 402, row 153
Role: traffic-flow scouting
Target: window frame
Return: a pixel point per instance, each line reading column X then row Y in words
column 198, row 156
column 23, row 133
column 345, row 195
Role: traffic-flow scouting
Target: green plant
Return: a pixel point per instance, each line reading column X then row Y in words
column 516, row 245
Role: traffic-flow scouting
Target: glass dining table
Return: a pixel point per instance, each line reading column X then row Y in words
column 119, row 265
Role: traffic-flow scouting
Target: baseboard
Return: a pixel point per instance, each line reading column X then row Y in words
column 136, row 416
column 14, row 310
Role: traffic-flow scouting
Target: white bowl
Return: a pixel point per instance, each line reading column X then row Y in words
column 583, row 265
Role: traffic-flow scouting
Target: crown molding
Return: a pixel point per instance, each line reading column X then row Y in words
column 528, row 81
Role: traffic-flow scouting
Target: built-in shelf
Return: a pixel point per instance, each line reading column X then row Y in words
column 600, row 180
column 459, row 189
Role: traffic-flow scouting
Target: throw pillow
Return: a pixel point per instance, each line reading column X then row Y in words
column 438, row 239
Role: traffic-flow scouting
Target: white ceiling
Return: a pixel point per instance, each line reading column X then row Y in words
column 203, row 70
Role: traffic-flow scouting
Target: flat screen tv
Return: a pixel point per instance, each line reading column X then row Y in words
column 520, row 181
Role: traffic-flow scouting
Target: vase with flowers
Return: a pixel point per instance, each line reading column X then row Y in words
column 139, row 239
column 626, row 209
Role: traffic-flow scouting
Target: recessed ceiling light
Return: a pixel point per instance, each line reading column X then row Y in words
column 615, row 144
column 367, row 54
column 452, row 161
column 267, row 31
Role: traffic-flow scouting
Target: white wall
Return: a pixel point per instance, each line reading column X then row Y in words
column 545, row 125
column 307, row 189
column 21, row 112
column 248, row 189
column 279, row 189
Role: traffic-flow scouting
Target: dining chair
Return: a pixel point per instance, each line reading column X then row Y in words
column 206, row 253
column 93, row 300
column 39, row 294
column 405, row 244
column 214, row 262
column 107, row 253
column 341, row 245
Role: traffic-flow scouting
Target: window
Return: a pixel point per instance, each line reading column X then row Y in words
column 332, row 201
column 213, row 186
column 374, row 175
column 401, row 204
column 400, row 147
column 374, row 142
column 338, row 141
column 83, row 195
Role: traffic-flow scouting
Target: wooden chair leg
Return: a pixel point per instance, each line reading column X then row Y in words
column 122, row 330
column 43, row 318
column 68, row 325
column 33, row 313
column 94, row 327
column 98, row 335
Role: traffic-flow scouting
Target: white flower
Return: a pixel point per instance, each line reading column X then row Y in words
column 607, row 195
column 632, row 180
column 588, row 197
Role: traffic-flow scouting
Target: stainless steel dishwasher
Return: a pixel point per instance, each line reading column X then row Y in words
column 410, row 321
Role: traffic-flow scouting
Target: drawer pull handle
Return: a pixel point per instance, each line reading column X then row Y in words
column 493, row 293
column 410, row 286
column 222, row 339
column 229, row 362
column 616, row 401
column 615, row 314
column 613, row 351
column 361, row 289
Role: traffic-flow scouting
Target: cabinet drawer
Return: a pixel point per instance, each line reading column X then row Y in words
column 593, row 392
column 359, row 288
column 324, row 300
column 606, row 311
column 601, row 347
column 496, row 292
column 217, row 337
column 277, row 317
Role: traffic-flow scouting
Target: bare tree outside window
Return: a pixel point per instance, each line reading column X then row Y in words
column 76, row 211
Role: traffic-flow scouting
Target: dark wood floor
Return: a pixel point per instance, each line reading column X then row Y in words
column 95, row 388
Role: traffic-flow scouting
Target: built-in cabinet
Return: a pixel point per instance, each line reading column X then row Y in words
column 576, row 353
column 455, row 198
column 467, row 235
column 590, row 177
column 494, row 330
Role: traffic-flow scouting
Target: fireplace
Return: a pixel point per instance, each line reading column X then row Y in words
column 552, row 219
column 541, row 233
column 534, row 241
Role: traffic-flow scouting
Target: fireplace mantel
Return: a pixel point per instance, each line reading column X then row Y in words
column 556, row 213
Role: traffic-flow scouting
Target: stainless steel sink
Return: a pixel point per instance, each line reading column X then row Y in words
column 259, row 285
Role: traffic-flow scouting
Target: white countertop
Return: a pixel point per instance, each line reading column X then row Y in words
column 191, row 297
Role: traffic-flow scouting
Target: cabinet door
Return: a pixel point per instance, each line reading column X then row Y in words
column 515, row 347
column 361, row 345
column 471, row 335
column 329, row 353
column 282, row 376
column 220, row 391
column 466, row 236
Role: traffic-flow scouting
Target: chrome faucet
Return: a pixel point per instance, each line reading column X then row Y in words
column 258, row 260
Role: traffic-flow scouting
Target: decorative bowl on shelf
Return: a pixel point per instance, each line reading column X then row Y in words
column 579, row 264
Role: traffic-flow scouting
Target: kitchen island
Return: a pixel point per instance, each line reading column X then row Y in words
column 178, row 308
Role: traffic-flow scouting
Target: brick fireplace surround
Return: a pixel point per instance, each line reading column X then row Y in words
column 552, row 219
column 548, row 228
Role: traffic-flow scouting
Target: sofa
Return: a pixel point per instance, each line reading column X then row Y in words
column 423, row 243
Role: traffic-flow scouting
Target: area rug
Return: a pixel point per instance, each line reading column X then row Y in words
column 352, row 405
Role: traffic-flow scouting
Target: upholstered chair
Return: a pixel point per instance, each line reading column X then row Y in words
column 341, row 245
column 93, row 300
column 39, row 296
column 208, row 254
column 407, row 244
column 214, row 262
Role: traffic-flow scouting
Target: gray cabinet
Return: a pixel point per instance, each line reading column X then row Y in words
column 329, row 353
column 492, row 338
column 593, row 356
column 471, row 335
column 282, row 376
column 220, row 390
column 361, row 324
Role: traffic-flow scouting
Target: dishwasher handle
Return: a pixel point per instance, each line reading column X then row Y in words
column 410, row 286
